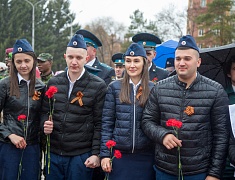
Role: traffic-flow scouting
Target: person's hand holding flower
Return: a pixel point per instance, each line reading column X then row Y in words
column 106, row 163
column 18, row 141
column 48, row 125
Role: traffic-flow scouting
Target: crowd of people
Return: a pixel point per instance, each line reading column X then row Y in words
column 164, row 127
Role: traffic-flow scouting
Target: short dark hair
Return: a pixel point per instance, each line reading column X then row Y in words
column 229, row 64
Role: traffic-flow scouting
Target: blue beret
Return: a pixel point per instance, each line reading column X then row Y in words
column 149, row 41
column 118, row 59
column 90, row 38
column 77, row 41
column 187, row 41
column 136, row 49
column 22, row 46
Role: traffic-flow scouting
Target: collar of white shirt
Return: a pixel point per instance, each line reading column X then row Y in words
column 90, row 63
column 20, row 78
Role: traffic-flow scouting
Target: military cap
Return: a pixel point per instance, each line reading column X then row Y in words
column 77, row 41
column 170, row 62
column 92, row 70
column 90, row 38
column 135, row 49
column 118, row 59
column 187, row 42
column 149, row 41
column 45, row 57
column 22, row 46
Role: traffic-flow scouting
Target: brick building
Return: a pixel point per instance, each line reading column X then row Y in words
column 195, row 8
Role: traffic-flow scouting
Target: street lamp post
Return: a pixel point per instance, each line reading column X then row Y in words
column 33, row 18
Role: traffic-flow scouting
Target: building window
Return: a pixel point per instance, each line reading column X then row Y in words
column 217, row 31
column 191, row 4
column 203, row 3
column 200, row 32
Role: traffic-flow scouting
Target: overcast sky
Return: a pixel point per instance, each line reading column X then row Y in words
column 119, row 10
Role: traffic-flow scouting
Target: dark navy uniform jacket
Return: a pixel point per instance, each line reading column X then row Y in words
column 157, row 73
column 106, row 73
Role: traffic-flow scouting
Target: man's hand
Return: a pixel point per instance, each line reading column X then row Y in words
column 48, row 126
column 170, row 141
column 106, row 165
column 211, row 178
column 18, row 141
column 92, row 162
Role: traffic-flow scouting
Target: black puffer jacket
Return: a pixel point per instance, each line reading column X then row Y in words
column 204, row 134
column 76, row 128
column 13, row 107
column 121, row 122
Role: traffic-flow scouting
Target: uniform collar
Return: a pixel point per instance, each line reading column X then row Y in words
column 90, row 63
column 20, row 78
column 150, row 66
column 83, row 71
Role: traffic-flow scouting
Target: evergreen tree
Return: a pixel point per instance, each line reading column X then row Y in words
column 52, row 26
column 219, row 27
column 138, row 25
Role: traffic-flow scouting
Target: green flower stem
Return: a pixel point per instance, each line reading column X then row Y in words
column 111, row 160
column 20, row 165
column 180, row 172
column 49, row 153
column 21, row 158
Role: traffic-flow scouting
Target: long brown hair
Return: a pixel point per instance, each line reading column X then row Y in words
column 125, row 86
column 14, row 83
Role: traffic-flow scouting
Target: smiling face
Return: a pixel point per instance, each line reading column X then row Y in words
column 186, row 63
column 75, row 59
column 24, row 64
column 134, row 67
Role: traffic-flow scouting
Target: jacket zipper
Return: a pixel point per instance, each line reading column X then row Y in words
column 27, row 118
column 133, row 146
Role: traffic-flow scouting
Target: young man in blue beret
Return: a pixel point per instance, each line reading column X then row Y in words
column 75, row 128
column 149, row 41
column 201, row 105
column 93, row 43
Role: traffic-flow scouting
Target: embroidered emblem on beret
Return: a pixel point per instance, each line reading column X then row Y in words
column 183, row 42
column 132, row 53
column 19, row 49
column 75, row 43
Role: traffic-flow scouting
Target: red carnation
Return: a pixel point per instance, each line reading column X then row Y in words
column 51, row 91
column 117, row 154
column 22, row 117
column 110, row 144
column 174, row 123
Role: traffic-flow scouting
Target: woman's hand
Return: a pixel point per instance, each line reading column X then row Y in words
column 18, row 141
column 106, row 165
